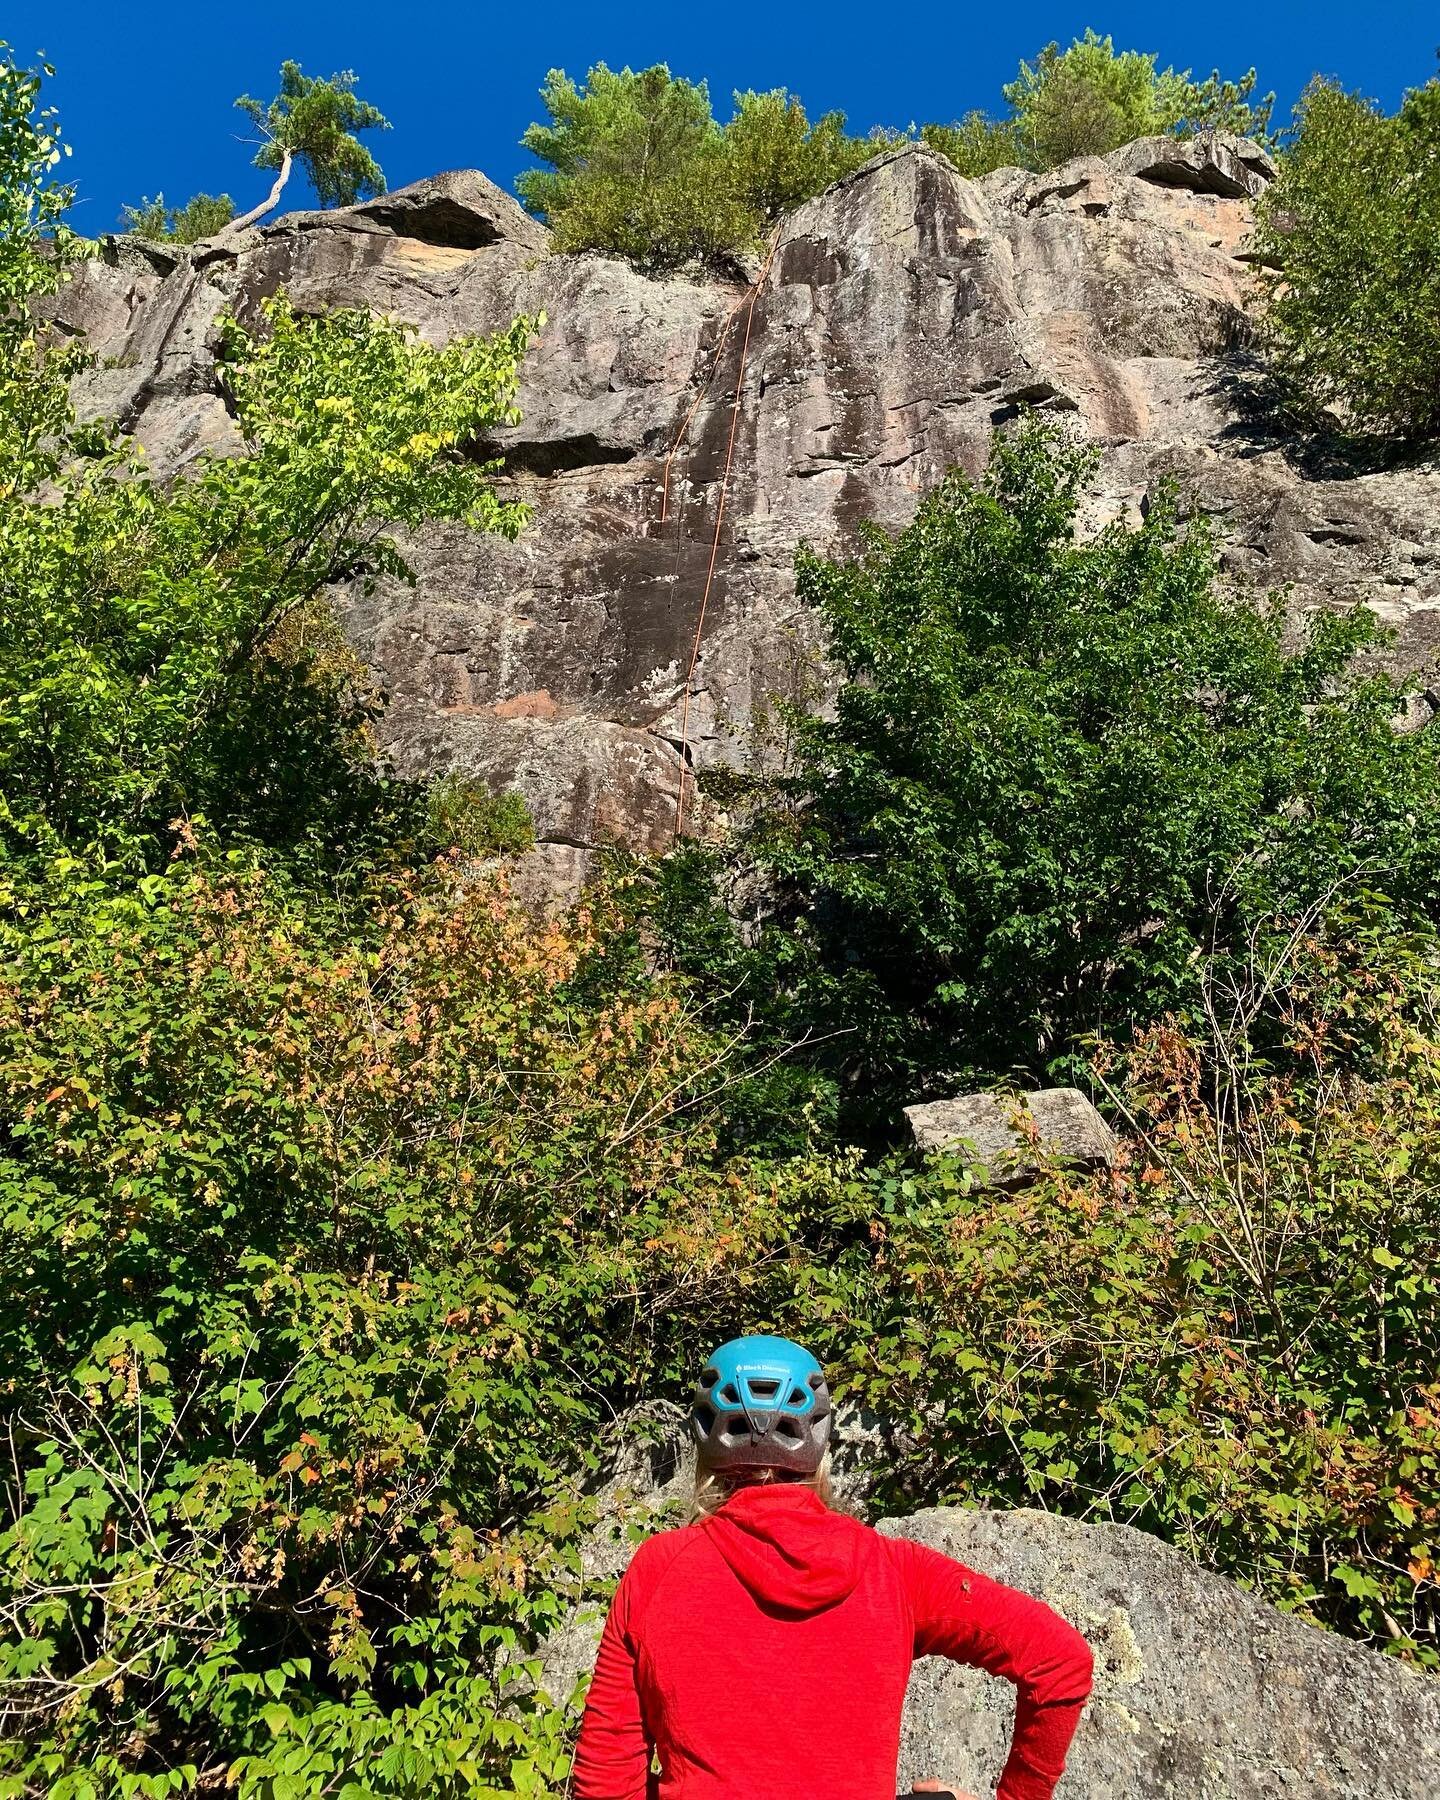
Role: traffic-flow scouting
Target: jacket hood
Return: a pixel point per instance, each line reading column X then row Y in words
column 788, row 1548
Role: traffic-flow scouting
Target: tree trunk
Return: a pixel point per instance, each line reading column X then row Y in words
column 268, row 204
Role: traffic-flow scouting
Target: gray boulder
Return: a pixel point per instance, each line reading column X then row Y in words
column 1011, row 1136
column 1202, row 1692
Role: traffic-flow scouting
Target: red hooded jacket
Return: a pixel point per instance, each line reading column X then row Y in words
column 763, row 1654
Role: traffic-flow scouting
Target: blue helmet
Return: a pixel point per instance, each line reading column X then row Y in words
column 761, row 1403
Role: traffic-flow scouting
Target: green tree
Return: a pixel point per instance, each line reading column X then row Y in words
column 1060, row 769
column 315, row 121
column 978, row 144
column 775, row 158
column 1351, row 236
column 1089, row 98
column 202, row 216
column 636, row 168
column 640, row 168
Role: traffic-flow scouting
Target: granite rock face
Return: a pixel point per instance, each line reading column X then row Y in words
column 1012, row 1136
column 905, row 315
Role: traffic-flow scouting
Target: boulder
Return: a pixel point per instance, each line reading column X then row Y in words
column 461, row 208
column 1202, row 1691
column 1012, row 1136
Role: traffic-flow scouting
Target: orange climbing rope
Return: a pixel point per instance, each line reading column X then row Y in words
column 719, row 517
column 700, row 393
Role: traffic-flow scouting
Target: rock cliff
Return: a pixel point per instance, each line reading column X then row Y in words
column 906, row 312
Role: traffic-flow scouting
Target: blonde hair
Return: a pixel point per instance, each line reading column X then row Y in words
column 713, row 1487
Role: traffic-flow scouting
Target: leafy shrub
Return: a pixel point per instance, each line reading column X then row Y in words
column 334, row 1230
column 464, row 815
column 1232, row 1341
column 640, row 168
column 1059, row 771
column 201, row 216
column 977, row 144
column 1351, row 231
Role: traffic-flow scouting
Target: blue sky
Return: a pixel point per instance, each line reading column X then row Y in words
column 145, row 88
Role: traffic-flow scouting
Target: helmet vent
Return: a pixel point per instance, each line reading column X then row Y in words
column 787, row 1428
column 817, row 1380
column 728, row 1394
column 705, row 1418
column 797, row 1396
column 765, row 1389
column 710, row 1377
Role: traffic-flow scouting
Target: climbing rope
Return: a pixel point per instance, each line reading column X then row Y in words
column 748, row 302
column 700, row 393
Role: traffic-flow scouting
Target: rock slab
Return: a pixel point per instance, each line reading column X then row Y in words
column 1011, row 1135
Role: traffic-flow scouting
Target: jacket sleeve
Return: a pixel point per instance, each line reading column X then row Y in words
column 972, row 1619
column 613, row 1752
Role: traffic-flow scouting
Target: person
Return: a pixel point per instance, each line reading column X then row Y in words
column 762, row 1651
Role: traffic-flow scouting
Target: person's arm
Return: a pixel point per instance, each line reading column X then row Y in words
column 972, row 1619
column 612, row 1755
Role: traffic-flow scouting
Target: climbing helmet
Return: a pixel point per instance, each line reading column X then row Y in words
column 761, row 1403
